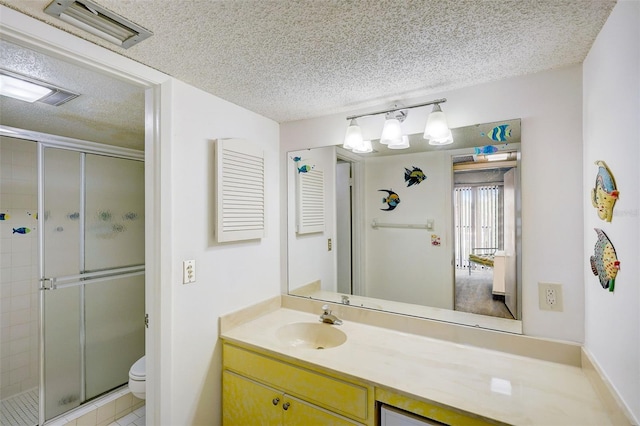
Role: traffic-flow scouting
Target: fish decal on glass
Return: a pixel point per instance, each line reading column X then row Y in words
column 604, row 262
column 4, row 216
column 499, row 133
column 605, row 193
column 413, row 177
column 130, row 216
column 21, row 230
column 33, row 215
column 104, row 215
column 74, row 216
column 392, row 200
column 487, row 149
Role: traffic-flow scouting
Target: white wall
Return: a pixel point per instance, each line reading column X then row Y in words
column 313, row 262
column 395, row 257
column 185, row 364
column 229, row 276
column 612, row 134
column 550, row 106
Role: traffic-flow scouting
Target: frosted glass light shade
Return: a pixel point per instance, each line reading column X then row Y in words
column 364, row 148
column 445, row 140
column 391, row 132
column 21, row 89
column 353, row 137
column 404, row 143
column 436, row 127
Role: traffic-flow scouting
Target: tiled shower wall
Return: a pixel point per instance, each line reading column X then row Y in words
column 18, row 267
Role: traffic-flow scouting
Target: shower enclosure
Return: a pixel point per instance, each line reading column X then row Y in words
column 72, row 274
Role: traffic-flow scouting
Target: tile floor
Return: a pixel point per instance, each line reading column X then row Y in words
column 135, row 418
column 120, row 408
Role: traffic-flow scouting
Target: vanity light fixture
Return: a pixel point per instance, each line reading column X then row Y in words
column 392, row 130
column 353, row 138
column 436, row 130
column 27, row 89
column 365, row 148
column 404, row 143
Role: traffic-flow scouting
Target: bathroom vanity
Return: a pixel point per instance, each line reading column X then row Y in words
column 281, row 374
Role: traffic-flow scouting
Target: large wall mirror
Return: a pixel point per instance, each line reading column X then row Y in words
column 427, row 231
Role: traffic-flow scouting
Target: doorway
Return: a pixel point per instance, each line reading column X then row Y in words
column 484, row 239
column 73, row 261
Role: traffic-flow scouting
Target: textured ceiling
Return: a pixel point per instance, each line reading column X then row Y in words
column 292, row 59
column 107, row 110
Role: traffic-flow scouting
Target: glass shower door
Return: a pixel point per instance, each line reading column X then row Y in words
column 92, row 274
column 114, row 241
column 61, row 309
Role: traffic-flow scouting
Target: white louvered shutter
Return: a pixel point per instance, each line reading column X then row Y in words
column 310, row 197
column 240, row 199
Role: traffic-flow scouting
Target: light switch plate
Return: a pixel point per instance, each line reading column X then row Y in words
column 188, row 271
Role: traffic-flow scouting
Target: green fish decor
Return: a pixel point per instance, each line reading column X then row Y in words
column 604, row 262
column 392, row 200
column 499, row 133
column 413, row 177
column 305, row 168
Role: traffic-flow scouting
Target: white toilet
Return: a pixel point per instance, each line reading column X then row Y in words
column 138, row 378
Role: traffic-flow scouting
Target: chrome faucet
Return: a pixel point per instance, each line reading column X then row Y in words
column 328, row 317
column 345, row 299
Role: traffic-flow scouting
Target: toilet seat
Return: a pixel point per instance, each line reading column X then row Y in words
column 138, row 370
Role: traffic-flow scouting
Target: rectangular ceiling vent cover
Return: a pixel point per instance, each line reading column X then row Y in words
column 98, row 21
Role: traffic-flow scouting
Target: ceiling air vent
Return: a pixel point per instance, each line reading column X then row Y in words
column 98, row 21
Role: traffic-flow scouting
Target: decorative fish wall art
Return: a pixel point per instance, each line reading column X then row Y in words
column 487, row 149
column 21, row 230
column 414, row 176
column 302, row 168
column 4, row 216
column 499, row 133
column 605, row 193
column 392, row 200
column 604, row 262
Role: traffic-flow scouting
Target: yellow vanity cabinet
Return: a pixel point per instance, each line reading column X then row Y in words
column 261, row 389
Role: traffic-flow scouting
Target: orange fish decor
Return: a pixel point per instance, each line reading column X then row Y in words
column 604, row 262
column 605, row 193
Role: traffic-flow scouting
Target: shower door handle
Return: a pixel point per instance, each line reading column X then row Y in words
column 48, row 284
column 91, row 277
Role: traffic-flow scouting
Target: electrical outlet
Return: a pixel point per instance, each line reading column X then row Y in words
column 188, row 271
column 550, row 296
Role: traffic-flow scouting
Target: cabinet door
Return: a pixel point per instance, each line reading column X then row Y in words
column 245, row 402
column 300, row 413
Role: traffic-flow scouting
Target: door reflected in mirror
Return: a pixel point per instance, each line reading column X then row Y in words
column 431, row 231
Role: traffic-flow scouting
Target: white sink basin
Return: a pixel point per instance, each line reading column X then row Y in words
column 309, row 335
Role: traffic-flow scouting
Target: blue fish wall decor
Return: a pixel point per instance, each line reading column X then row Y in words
column 4, row 216
column 21, row 230
column 305, row 168
column 413, row 177
column 499, row 133
column 487, row 149
column 392, row 200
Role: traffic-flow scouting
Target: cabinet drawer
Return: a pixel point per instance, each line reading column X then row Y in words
column 336, row 395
